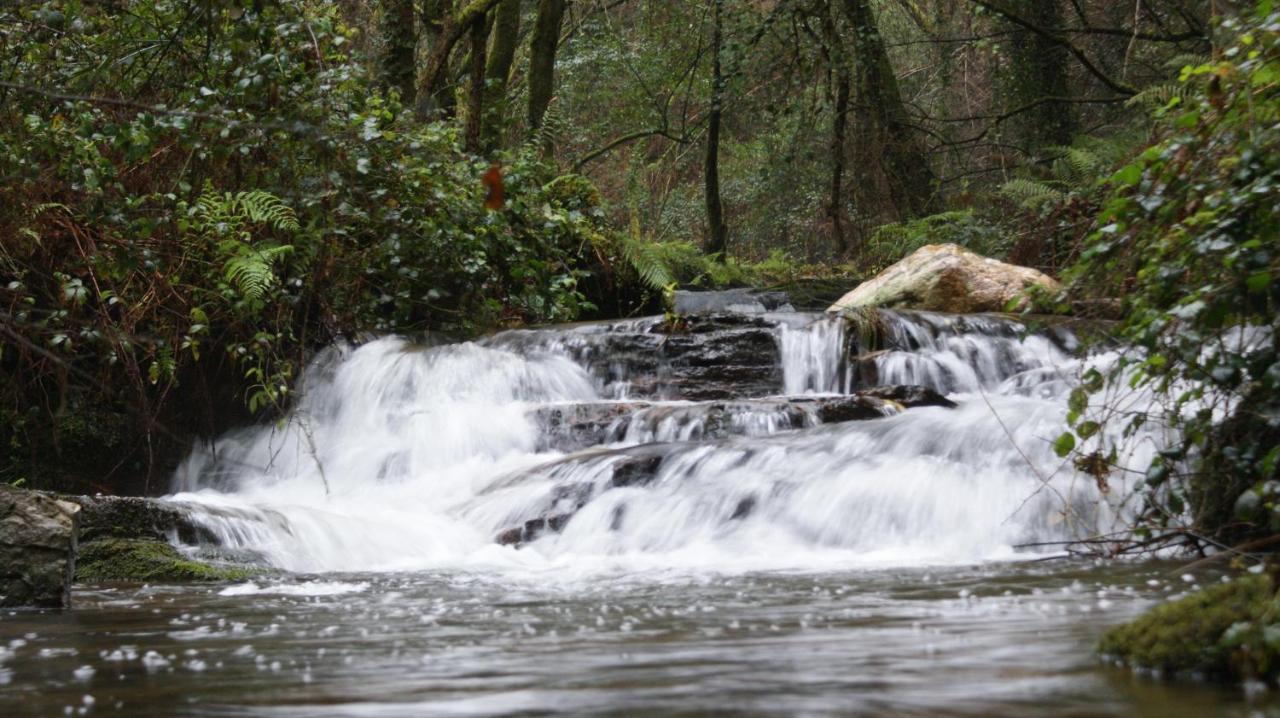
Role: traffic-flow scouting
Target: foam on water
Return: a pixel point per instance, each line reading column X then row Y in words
column 400, row 457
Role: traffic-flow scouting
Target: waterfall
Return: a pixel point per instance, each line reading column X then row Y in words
column 813, row 356
column 749, row 449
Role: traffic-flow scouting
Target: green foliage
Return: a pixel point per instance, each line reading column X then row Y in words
column 252, row 197
column 892, row 242
column 1228, row 631
column 1031, row 194
column 1190, row 230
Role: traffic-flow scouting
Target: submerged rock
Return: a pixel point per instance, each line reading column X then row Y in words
column 947, row 278
column 1227, row 632
column 114, row 559
column 37, row 549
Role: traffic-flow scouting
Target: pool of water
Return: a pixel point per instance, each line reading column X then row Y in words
column 1005, row 639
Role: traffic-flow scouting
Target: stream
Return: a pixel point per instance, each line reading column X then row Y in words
column 759, row 513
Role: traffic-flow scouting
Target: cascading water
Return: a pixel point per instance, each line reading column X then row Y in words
column 401, row 457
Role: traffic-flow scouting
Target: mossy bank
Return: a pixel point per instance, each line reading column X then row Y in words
column 1225, row 633
column 141, row 560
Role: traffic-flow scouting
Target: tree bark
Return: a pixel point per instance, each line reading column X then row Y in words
column 542, row 59
column 1038, row 71
column 717, row 233
column 884, row 126
column 476, row 85
column 838, row 61
column 446, row 27
column 400, row 55
column 839, row 124
column 502, row 53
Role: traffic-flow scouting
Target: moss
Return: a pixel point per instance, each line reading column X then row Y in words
column 134, row 560
column 1219, row 633
column 573, row 192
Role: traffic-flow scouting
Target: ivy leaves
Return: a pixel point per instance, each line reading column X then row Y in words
column 1191, row 230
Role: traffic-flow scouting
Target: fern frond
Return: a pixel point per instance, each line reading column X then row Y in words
column 1193, row 59
column 251, row 276
column 646, row 258
column 1158, row 95
column 1030, row 193
column 251, row 270
column 265, row 208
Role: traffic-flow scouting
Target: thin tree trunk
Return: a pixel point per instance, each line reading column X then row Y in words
column 476, row 89
column 542, row 59
column 718, row 234
column 400, row 56
column 502, row 53
column 1038, row 70
column 838, row 61
column 839, row 125
column 446, row 27
column 885, row 126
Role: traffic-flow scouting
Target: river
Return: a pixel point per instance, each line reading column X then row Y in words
column 613, row 518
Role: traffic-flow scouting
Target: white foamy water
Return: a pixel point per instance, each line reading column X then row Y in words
column 400, row 457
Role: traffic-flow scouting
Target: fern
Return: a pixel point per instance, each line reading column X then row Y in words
column 1192, row 59
column 250, row 269
column 1158, row 95
column 265, row 208
column 648, row 262
column 232, row 220
column 1030, row 193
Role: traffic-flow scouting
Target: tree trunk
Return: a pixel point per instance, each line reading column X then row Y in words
column 839, row 123
column 1038, row 75
column 542, row 59
column 838, row 61
column 718, row 234
column 502, row 53
column 400, row 55
column 476, row 90
column 445, row 27
column 885, row 131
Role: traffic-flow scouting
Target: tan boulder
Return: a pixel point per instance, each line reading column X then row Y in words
column 947, row 278
column 37, row 549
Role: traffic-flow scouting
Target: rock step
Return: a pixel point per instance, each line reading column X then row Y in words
column 585, row 475
column 574, row 427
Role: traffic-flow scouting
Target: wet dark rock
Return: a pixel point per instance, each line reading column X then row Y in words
column 574, row 427
column 720, row 356
column 635, row 471
column 850, row 408
column 815, row 294
column 37, row 549
column 532, row 529
column 743, row 509
column 909, row 396
column 135, row 517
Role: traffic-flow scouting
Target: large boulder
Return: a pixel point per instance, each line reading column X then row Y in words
column 947, row 278
column 37, row 549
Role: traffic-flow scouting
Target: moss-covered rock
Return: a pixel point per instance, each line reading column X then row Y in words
column 136, row 560
column 134, row 517
column 1225, row 632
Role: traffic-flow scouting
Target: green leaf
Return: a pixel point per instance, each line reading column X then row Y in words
column 1127, row 176
column 1087, row 429
column 1065, row 444
column 1258, row 283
